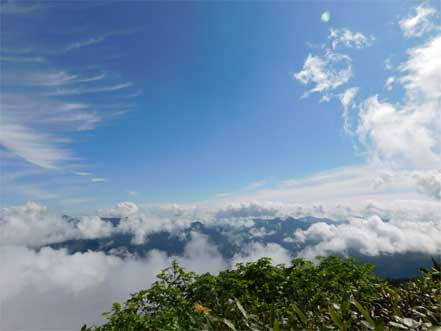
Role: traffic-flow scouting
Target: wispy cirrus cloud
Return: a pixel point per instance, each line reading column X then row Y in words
column 98, row 180
column 100, row 89
column 22, row 59
column 347, row 38
column 325, row 73
column 19, row 7
column 48, row 101
column 419, row 23
column 35, row 147
column 347, row 99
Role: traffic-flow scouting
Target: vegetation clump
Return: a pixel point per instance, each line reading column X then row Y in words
column 337, row 294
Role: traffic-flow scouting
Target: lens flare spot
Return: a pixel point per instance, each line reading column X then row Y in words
column 326, row 16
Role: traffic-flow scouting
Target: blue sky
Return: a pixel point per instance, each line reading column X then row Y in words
column 184, row 102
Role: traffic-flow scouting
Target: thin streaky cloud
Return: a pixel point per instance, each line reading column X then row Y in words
column 111, row 88
column 83, row 173
column 18, row 8
column 91, row 78
column 23, row 59
column 36, row 148
column 98, row 180
column 85, row 43
column 92, row 41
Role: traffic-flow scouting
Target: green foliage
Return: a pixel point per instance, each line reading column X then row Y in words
column 337, row 294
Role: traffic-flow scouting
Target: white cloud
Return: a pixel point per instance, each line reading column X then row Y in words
column 62, row 291
column 388, row 64
column 430, row 183
column 55, row 78
column 18, row 7
column 255, row 251
column 247, row 210
column 23, row 59
column 32, row 225
column 49, row 115
column 50, row 78
column 399, row 135
column 75, row 289
column 347, row 38
column 42, row 103
column 28, row 116
column 94, row 227
column 83, row 173
column 347, row 101
column 371, row 236
column 84, row 43
column 260, row 232
column 389, row 83
column 419, row 23
column 408, row 134
column 37, row 148
column 98, row 180
column 123, row 209
column 422, row 71
column 326, row 72
column 78, row 91
column 93, row 41
column 200, row 256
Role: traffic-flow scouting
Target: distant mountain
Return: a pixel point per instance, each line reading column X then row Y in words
column 229, row 239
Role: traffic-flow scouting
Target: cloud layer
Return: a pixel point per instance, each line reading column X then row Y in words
column 72, row 289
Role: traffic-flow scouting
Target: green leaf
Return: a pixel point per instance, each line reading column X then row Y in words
column 299, row 313
column 364, row 312
column 336, row 319
column 228, row 323
column 242, row 310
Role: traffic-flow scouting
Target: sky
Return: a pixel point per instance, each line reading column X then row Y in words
column 166, row 113
column 188, row 102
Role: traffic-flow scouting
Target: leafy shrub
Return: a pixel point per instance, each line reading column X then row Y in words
column 337, row 294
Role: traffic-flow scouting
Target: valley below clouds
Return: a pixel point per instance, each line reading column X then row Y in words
column 65, row 271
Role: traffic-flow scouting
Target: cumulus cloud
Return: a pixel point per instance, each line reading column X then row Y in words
column 61, row 292
column 94, row 227
column 422, row 79
column 248, row 210
column 400, row 135
column 371, row 236
column 122, row 209
column 326, row 72
column 408, row 133
column 347, row 38
column 419, row 23
column 430, row 183
column 254, row 251
column 75, row 289
column 260, row 232
column 201, row 256
column 32, row 225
